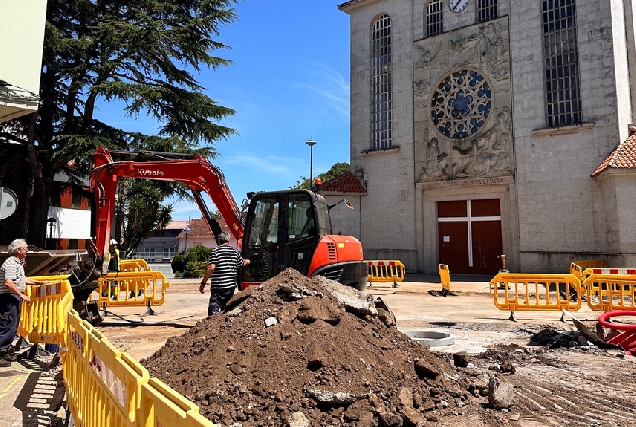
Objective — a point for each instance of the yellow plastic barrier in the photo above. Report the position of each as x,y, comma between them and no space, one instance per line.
385,271
43,320
536,292
106,387
578,267
133,265
162,406
135,288
444,277
102,387
609,292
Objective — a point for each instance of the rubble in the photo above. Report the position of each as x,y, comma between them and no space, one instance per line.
331,358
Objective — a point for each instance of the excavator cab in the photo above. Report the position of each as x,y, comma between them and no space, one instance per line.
283,230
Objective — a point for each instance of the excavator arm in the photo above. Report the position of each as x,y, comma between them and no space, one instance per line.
191,169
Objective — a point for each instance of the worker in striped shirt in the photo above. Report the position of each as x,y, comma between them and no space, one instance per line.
223,274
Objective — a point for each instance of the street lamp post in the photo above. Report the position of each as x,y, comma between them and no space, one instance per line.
311,144
186,230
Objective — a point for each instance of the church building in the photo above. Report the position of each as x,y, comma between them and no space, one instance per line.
482,128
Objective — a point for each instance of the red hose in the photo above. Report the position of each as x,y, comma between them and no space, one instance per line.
627,338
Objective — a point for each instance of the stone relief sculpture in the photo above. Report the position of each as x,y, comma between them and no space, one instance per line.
428,56
491,50
490,153
464,134
486,155
433,169
420,88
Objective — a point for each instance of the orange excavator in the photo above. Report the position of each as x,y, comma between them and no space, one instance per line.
281,229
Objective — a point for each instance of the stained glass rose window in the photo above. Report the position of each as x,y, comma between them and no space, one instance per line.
461,104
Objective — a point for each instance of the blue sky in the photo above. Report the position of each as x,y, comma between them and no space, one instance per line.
289,83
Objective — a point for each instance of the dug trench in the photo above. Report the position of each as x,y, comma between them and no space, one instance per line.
301,351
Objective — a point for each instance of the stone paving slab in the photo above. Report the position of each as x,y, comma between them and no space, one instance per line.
31,394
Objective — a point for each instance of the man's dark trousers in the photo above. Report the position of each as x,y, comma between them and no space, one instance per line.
218,298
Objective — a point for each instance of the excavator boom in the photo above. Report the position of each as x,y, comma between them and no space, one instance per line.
190,169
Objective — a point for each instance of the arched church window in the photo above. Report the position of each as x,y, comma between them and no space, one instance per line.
434,21
461,103
486,10
563,97
381,84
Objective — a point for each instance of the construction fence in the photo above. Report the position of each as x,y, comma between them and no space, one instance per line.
391,271
104,386
557,292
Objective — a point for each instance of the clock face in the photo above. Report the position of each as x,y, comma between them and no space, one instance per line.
458,5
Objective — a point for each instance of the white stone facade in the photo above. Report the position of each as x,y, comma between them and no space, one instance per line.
551,210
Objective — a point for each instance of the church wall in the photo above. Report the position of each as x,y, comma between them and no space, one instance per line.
389,204
552,211
557,209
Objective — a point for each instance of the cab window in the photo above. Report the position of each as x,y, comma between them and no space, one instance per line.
302,221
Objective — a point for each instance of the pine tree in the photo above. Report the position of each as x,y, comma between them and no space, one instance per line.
144,53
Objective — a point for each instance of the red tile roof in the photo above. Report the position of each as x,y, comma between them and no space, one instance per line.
623,157
176,225
345,183
199,227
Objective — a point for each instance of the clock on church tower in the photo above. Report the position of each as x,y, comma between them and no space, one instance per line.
458,5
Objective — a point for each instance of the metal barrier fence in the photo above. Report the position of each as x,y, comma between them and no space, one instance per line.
609,292
43,320
444,277
385,271
536,292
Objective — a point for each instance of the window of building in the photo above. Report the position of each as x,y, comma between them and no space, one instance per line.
563,99
434,22
381,84
486,10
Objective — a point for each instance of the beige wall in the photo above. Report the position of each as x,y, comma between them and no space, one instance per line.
21,37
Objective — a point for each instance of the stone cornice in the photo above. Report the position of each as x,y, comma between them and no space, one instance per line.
458,183
352,5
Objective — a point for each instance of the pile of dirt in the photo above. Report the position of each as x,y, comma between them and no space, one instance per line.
304,351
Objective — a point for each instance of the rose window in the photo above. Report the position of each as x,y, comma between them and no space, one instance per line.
461,104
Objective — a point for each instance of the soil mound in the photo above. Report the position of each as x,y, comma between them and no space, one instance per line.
300,351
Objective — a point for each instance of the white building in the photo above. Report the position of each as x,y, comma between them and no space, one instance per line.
21,38
478,124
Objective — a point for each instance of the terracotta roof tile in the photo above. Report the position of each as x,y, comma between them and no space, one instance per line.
199,227
176,225
345,183
623,157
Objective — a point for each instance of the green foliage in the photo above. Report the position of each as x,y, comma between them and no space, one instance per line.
198,257
177,263
199,253
144,54
336,170
139,212
195,269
